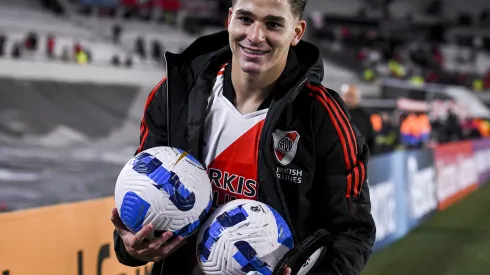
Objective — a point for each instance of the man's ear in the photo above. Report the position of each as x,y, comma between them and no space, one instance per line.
299,31
230,14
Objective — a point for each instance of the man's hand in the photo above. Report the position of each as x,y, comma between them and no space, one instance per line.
142,249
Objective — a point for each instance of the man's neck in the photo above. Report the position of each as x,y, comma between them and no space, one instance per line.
252,90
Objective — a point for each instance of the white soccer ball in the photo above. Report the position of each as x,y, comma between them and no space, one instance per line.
242,236
166,187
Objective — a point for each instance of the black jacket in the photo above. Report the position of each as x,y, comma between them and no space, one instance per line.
328,193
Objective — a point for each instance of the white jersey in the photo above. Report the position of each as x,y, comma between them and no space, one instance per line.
231,146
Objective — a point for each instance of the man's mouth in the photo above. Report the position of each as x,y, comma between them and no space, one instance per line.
253,51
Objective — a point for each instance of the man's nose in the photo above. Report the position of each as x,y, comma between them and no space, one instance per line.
256,33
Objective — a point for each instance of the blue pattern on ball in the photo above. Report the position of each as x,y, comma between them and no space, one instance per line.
165,180
133,211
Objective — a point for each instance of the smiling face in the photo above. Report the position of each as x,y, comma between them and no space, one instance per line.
261,33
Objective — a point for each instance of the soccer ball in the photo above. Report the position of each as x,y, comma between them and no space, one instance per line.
166,187
242,236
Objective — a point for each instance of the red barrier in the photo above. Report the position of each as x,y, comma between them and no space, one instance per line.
456,172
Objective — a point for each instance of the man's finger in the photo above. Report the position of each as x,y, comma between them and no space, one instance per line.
165,236
140,236
117,222
287,271
155,244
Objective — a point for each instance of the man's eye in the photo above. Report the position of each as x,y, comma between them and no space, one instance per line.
245,20
273,25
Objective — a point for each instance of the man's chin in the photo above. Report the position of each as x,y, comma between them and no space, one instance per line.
252,70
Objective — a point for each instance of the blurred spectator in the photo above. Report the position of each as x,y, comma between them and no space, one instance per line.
452,128
416,79
31,41
377,122
387,137
435,8
107,11
81,57
115,61
470,128
432,77
145,10
116,33
77,47
360,117
16,50
50,45
3,43
424,125
437,55
88,52
478,84
415,130
65,54
130,8
486,83
484,15
156,51
368,75
483,127
171,8
396,69
129,62
140,47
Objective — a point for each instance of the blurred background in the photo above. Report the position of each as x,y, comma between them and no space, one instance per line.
75,74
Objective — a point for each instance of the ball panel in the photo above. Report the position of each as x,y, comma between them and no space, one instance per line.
284,235
133,211
164,180
246,257
213,232
192,227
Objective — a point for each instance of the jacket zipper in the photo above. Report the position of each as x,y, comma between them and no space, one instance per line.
261,153
168,105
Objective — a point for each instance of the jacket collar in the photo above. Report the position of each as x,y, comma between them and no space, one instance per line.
207,53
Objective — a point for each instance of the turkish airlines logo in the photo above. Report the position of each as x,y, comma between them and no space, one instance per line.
285,145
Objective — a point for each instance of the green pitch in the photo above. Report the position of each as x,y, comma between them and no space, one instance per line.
455,241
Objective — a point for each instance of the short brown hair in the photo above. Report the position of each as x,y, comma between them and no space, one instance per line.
297,6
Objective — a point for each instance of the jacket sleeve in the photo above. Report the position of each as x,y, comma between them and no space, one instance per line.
339,196
153,132
153,129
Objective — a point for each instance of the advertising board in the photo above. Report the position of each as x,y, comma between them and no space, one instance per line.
73,238
388,205
481,152
456,172
420,185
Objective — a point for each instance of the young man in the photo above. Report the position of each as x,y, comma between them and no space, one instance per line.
248,103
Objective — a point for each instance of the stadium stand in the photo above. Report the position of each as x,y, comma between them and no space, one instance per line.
407,39
67,37
51,131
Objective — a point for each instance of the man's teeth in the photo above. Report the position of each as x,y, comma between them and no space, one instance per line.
253,52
